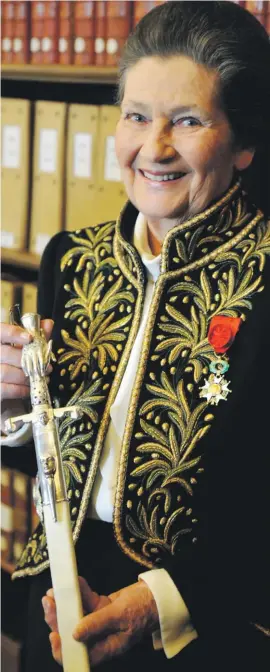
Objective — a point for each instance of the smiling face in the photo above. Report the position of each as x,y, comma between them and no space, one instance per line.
173,141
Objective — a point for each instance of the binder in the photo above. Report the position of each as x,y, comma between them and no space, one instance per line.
65,42
37,28
142,7
21,514
7,11
6,514
11,295
84,32
100,33
21,39
15,124
49,42
82,146
111,194
118,26
267,19
29,298
48,173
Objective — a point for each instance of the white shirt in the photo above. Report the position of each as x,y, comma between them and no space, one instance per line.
176,629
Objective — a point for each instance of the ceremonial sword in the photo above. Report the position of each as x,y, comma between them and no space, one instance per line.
55,507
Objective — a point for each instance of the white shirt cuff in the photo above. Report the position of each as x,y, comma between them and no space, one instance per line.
176,629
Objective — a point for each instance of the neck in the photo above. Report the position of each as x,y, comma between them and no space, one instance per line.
157,231
154,243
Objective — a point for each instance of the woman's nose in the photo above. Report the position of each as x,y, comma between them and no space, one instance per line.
158,145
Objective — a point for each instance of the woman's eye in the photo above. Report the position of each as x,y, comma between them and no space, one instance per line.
134,116
188,121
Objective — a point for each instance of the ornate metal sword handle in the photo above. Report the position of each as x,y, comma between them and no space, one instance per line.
35,360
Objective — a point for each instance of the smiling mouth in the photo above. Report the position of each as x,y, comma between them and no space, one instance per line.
166,177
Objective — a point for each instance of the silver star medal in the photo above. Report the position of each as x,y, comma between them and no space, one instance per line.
216,387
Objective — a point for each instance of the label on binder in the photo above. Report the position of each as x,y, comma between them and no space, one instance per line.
47,150
7,239
41,241
11,147
82,157
111,168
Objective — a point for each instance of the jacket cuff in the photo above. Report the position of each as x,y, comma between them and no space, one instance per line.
176,629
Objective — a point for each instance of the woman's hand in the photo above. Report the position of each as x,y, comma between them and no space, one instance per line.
115,623
14,384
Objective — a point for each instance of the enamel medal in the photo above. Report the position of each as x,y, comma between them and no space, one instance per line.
216,387
221,334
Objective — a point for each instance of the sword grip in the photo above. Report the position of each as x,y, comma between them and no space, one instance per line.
66,587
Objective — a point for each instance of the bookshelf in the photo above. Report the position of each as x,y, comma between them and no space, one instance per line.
60,73
20,259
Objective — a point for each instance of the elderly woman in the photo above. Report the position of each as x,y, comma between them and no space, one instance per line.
161,330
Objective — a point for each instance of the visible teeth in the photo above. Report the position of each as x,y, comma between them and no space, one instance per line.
162,178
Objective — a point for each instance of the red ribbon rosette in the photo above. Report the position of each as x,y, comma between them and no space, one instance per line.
222,332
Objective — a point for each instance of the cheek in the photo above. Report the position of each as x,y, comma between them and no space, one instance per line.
208,155
125,147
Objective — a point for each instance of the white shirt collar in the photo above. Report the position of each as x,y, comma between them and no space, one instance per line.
140,241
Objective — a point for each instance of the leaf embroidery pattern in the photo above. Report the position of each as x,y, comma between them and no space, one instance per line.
173,419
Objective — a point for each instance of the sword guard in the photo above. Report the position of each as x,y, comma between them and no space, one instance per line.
74,411
11,425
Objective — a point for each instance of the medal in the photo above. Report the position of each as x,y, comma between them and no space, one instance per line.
221,334
216,387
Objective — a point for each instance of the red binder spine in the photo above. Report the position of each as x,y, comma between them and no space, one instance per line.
100,33
84,32
37,31
258,9
7,10
118,26
49,42
21,32
142,7
267,18
65,42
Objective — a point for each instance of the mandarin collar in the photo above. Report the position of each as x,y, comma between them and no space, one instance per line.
189,241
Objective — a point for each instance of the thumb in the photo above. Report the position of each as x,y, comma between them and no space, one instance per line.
47,326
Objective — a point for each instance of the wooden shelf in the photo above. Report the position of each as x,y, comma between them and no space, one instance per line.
8,567
20,258
60,73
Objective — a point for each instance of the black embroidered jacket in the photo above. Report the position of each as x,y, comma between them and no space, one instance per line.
191,491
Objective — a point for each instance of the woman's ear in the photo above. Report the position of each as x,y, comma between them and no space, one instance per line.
243,158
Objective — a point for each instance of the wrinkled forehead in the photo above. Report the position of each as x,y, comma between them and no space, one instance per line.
170,81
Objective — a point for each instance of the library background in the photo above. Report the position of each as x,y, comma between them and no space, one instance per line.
59,70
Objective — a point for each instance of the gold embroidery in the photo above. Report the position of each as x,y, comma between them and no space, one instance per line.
161,464
156,505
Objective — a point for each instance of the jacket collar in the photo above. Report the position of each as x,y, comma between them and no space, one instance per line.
189,241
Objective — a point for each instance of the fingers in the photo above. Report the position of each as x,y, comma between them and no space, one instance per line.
97,625
14,391
13,375
89,598
47,326
10,333
56,647
49,607
109,648
10,355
